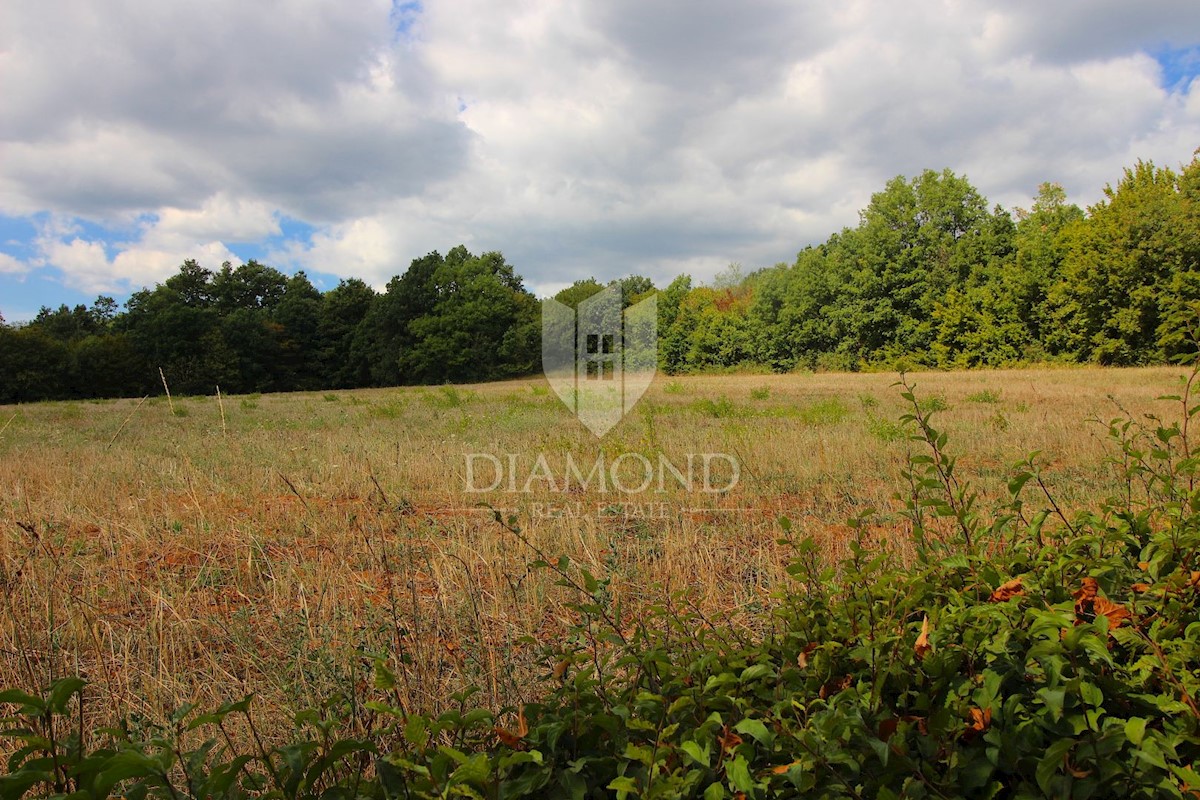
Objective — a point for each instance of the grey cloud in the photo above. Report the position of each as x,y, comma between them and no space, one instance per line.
196,86
1078,30
602,137
711,48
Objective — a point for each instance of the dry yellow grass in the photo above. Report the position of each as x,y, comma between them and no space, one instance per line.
275,548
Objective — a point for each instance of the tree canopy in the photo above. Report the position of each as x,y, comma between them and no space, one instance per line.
931,275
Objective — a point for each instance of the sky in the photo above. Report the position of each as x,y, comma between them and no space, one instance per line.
579,137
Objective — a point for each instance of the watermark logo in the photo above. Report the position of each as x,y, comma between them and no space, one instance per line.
601,358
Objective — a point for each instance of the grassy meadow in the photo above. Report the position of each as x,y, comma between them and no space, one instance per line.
272,544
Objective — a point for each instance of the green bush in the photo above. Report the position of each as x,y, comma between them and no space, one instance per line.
1007,653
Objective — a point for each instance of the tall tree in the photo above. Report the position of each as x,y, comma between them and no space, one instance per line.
1118,268
343,310
483,325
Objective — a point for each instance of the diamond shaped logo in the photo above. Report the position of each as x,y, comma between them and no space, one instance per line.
600,359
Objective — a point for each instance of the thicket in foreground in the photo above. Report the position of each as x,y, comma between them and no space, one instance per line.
1013,652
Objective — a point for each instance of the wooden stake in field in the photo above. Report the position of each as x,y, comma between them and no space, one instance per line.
170,402
221,403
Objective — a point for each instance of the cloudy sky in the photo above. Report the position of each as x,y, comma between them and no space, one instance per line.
579,137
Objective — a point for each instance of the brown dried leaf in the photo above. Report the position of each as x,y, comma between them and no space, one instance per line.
728,740
780,769
923,646
1085,595
887,728
834,686
802,659
981,719
1007,591
1140,587
1117,614
514,739
508,738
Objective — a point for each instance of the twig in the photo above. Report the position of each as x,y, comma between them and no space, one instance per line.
170,402
553,565
10,422
221,403
126,422
295,491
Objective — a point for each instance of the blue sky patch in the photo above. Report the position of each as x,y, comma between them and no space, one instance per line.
22,295
1179,66
403,17
291,231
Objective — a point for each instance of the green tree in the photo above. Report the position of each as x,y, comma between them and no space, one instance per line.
109,365
1119,266
343,310
175,327
250,286
297,313
66,324
578,291
33,365
910,235
383,337
482,326
1040,250
634,289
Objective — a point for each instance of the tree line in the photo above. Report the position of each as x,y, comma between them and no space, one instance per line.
251,328
930,276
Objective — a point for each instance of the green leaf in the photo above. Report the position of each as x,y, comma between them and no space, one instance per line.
755,672
416,731
31,705
756,730
16,785
739,776
589,581
623,786
1091,694
62,691
385,679
123,766
475,769
695,752
1135,730
1150,753
957,561
1018,483
1054,700
1049,764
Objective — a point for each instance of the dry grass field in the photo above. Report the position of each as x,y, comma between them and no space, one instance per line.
273,544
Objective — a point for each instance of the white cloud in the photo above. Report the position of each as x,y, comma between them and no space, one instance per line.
89,268
12,266
238,220
591,138
155,250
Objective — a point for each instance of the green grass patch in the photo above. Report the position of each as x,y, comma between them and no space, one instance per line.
984,396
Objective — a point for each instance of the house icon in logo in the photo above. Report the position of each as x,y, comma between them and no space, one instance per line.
601,358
